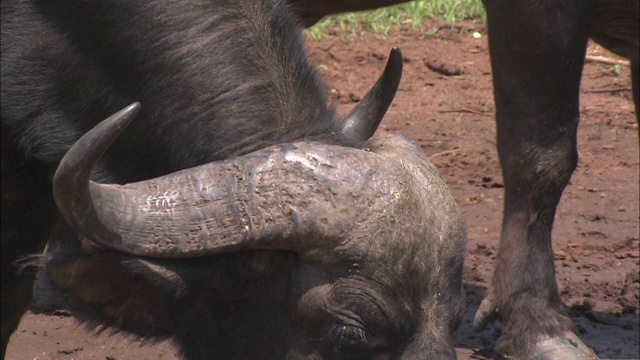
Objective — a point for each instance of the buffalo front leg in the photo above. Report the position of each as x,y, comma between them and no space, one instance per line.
537,54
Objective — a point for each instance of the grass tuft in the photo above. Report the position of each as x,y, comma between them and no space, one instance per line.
381,21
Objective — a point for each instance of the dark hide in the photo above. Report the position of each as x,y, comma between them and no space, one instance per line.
66,65
537,54
218,79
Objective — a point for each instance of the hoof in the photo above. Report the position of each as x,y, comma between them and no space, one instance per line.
485,314
568,346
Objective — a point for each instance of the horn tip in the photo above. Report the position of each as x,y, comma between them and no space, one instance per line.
119,121
395,57
130,111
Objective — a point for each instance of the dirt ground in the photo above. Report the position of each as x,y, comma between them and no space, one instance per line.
451,117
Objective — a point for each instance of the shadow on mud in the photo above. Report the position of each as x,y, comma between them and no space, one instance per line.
611,335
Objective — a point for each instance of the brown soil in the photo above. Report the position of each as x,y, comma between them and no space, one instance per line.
451,117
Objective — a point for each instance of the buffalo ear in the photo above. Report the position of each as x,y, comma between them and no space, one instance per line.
119,289
363,120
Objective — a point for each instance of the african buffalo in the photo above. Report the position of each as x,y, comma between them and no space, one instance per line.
537,53
249,222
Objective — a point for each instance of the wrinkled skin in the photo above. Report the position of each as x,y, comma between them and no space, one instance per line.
537,54
297,274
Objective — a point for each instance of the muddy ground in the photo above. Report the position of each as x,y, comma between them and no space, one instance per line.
451,117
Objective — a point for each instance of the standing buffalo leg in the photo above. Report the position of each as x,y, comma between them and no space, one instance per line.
537,54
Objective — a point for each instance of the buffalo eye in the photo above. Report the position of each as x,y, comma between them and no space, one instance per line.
348,341
348,334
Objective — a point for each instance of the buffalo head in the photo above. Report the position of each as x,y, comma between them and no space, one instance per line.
308,249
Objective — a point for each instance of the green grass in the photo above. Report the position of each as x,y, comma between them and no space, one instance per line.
381,21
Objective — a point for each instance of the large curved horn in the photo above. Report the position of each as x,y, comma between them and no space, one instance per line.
78,164
282,197
363,120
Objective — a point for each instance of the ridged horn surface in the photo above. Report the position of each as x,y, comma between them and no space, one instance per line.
303,196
